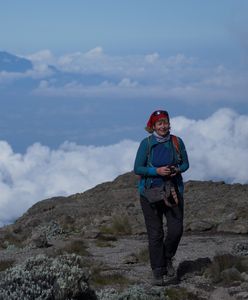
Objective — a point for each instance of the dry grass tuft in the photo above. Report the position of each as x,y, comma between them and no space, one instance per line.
120,226
77,247
143,255
5,264
98,278
224,262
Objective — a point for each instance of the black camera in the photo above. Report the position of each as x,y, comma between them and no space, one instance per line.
173,169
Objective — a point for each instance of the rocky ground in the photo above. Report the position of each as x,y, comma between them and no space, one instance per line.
105,227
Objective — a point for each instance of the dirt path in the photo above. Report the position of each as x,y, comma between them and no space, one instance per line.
122,255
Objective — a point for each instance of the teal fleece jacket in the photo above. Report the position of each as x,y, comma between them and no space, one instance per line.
148,172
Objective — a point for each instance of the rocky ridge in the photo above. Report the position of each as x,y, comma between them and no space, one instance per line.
105,227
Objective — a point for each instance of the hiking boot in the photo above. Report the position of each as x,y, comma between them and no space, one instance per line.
158,280
170,269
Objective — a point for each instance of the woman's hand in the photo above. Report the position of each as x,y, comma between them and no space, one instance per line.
164,171
168,171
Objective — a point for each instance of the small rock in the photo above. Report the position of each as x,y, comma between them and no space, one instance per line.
39,240
234,290
244,285
106,219
192,266
231,217
97,222
230,226
220,294
230,275
242,295
200,226
90,233
130,259
244,276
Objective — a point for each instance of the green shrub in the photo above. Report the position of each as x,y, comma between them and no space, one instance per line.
120,226
51,229
42,277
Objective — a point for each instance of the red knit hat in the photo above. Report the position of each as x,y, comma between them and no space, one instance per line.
154,117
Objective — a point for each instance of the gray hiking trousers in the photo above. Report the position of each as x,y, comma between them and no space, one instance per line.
162,248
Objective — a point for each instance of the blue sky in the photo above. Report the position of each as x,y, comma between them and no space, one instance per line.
123,26
189,57
80,79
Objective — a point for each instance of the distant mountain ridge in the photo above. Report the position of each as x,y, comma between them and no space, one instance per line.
13,63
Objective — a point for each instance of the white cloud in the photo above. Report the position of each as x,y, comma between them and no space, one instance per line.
217,146
151,58
125,87
6,77
127,82
41,172
43,56
41,61
39,71
94,53
128,88
151,76
217,149
121,66
179,59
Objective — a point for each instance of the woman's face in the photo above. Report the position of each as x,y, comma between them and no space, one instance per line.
162,127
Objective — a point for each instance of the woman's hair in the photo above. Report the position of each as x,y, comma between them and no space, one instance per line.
149,129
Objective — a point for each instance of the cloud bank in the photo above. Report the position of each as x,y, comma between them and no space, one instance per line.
96,74
41,172
217,149
144,76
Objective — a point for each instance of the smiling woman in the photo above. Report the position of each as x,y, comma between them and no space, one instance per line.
159,162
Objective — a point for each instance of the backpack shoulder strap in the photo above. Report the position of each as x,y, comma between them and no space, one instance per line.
148,149
175,142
